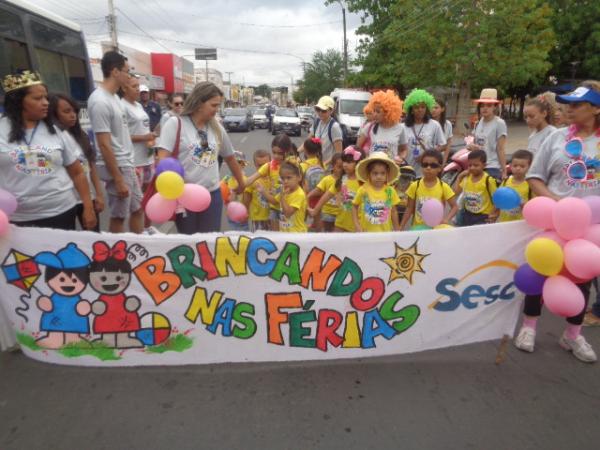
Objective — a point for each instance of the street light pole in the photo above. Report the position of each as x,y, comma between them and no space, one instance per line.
345,44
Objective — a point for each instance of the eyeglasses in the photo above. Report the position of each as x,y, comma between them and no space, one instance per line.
178,104
319,110
430,165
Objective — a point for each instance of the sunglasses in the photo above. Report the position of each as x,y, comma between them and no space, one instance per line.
178,103
319,110
430,165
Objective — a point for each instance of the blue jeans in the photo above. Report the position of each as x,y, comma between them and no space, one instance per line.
596,305
206,221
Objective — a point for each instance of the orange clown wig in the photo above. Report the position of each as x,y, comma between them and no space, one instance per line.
390,103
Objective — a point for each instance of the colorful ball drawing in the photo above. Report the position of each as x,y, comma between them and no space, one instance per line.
154,329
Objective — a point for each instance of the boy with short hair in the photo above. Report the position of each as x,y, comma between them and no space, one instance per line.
519,165
477,188
258,206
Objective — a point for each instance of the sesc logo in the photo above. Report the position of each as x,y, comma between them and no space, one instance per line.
454,292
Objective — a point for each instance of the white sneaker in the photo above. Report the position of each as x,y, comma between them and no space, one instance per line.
151,230
580,348
525,340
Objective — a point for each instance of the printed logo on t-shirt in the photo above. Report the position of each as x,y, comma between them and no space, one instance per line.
347,197
285,223
376,212
383,146
473,202
35,160
480,140
583,172
203,156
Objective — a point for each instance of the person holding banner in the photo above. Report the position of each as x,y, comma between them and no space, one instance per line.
552,175
201,140
37,164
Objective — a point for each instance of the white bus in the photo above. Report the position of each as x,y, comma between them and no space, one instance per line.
32,38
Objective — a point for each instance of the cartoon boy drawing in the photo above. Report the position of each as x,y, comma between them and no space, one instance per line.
64,316
116,314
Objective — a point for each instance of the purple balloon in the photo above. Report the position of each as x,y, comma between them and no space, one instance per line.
8,202
169,164
593,202
528,280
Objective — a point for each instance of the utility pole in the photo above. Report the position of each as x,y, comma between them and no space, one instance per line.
206,61
112,25
229,75
345,49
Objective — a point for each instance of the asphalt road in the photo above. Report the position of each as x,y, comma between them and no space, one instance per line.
456,398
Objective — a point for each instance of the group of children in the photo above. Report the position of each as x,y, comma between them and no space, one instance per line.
360,193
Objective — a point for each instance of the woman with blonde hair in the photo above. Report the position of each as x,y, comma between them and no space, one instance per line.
198,139
387,134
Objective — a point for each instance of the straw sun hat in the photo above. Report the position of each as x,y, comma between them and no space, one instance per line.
361,168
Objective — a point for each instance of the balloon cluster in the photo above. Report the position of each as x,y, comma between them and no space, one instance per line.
8,205
567,253
173,191
432,212
236,211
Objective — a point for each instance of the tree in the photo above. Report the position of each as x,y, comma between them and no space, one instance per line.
466,43
263,90
577,50
322,75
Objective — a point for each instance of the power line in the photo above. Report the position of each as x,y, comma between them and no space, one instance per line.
142,30
248,24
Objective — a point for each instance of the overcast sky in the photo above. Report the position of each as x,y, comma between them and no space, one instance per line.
281,26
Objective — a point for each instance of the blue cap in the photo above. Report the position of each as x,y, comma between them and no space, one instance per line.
581,94
69,257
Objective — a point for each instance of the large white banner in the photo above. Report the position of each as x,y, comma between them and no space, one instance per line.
92,299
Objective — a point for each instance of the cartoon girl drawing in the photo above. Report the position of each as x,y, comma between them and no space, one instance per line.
116,314
64,313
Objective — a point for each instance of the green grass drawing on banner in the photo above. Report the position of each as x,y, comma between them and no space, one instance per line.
74,350
177,343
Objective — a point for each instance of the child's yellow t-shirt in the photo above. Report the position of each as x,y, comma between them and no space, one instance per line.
232,185
331,207
377,207
305,165
478,196
345,195
420,193
272,171
259,206
523,191
296,223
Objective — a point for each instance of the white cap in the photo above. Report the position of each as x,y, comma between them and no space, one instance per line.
144,88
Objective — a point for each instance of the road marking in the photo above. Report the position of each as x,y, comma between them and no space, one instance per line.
243,139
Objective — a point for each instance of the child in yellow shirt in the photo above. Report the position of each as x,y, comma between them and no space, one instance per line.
330,209
374,207
519,165
477,187
292,199
257,204
228,185
428,187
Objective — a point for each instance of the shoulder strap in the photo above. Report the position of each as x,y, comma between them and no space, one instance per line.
316,125
175,153
329,129
487,185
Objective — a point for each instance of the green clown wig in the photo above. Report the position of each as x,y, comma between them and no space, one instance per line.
417,96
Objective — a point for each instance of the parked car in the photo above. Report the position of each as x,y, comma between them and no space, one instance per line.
238,119
349,105
260,118
307,116
286,120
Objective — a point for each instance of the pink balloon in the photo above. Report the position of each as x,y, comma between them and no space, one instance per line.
195,198
4,224
571,218
593,234
551,235
593,202
237,212
582,258
8,202
432,212
562,296
537,212
160,209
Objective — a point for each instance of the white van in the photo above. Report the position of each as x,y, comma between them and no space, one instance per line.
348,111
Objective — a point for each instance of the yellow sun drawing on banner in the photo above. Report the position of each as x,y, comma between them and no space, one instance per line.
405,263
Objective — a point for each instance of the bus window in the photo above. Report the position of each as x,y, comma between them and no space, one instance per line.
52,71
77,78
65,41
16,59
11,26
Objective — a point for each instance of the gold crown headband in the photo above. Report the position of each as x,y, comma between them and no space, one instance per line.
22,80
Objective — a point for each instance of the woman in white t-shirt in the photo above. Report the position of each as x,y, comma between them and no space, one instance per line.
387,133
37,165
201,140
490,134
439,113
539,113
64,112
142,138
423,133
175,103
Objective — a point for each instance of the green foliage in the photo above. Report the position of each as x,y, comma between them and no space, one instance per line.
177,343
96,349
322,74
263,90
577,28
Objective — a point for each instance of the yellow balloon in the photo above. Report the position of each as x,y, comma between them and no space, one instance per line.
442,226
545,256
170,185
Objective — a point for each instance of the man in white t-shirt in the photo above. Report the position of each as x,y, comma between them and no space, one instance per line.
115,159
327,129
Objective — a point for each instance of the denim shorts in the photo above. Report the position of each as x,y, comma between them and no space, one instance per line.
120,208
